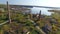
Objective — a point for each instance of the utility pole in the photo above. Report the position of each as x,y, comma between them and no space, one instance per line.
40,14
8,9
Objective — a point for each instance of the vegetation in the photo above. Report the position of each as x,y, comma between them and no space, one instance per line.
22,23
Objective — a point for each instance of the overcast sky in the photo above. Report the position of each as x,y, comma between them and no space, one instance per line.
53,3
50,3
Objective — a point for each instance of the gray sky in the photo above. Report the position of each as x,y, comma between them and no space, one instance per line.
53,3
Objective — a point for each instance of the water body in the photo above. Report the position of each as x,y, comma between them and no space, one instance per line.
36,10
